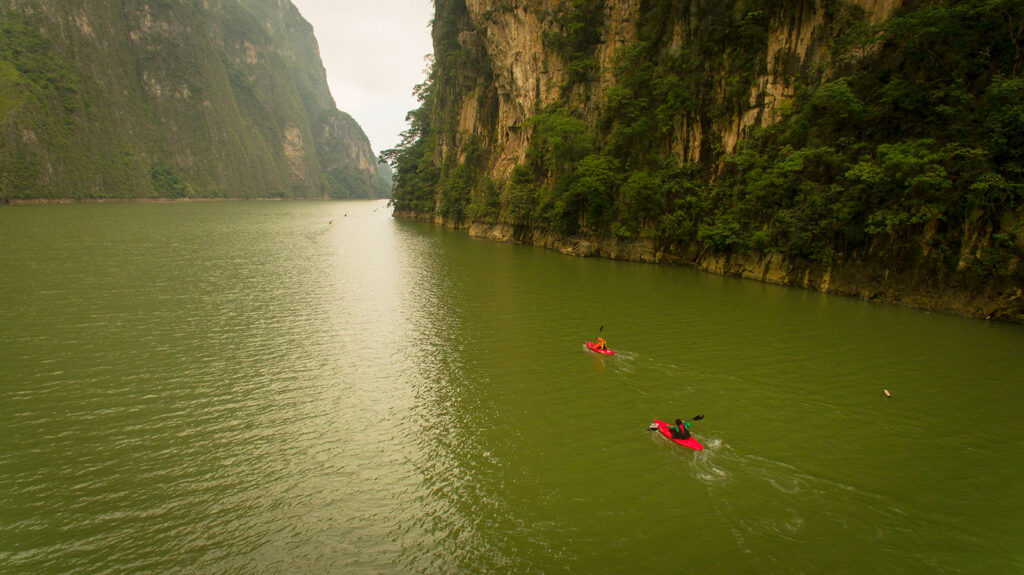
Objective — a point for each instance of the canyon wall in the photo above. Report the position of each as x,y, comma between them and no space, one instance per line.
211,98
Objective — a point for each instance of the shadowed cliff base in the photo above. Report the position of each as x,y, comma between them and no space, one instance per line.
917,286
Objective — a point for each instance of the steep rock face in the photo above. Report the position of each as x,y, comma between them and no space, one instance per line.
512,76
525,76
154,99
508,41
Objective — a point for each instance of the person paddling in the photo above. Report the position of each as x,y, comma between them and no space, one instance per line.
681,430
601,344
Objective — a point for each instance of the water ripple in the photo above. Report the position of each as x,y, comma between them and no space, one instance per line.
239,388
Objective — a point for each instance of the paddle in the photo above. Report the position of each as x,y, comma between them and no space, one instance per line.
698,417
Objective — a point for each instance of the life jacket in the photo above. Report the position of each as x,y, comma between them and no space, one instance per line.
680,432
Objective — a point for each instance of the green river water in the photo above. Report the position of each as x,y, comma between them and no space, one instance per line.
246,387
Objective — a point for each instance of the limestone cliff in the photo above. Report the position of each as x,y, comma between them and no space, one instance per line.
507,40
864,147
142,98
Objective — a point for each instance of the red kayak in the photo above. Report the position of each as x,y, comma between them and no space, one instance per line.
691,442
593,347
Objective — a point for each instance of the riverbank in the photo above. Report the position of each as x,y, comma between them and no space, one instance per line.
45,201
915,284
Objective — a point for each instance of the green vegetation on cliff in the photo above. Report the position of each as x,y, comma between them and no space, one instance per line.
903,144
413,159
149,98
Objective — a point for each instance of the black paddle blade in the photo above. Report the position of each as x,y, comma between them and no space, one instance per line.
699,417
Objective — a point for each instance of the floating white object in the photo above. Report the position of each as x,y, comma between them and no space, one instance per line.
886,392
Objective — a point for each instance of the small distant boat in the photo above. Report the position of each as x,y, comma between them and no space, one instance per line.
593,347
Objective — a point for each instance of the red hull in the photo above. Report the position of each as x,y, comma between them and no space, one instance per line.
593,347
691,443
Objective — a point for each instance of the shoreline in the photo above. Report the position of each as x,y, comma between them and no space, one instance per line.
914,286
48,201
45,201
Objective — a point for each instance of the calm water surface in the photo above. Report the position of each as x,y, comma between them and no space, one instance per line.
246,387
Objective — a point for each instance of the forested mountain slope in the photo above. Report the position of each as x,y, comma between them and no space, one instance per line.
153,98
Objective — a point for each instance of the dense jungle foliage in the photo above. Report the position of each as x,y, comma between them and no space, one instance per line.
906,136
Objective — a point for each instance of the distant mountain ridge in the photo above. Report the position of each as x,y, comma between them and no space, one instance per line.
158,99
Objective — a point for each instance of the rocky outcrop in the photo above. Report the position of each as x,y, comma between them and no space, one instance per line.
528,76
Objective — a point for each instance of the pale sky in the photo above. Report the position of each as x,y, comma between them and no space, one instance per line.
374,53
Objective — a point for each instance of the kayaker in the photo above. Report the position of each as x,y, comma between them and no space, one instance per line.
601,343
681,430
